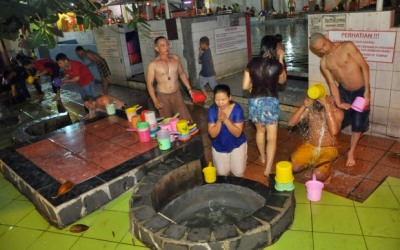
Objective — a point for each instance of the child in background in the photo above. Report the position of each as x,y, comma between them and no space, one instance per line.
207,72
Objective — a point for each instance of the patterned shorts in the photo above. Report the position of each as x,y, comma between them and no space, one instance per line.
264,110
103,68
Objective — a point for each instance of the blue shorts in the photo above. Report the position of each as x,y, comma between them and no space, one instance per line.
264,110
359,121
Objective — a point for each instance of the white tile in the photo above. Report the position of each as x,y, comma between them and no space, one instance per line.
372,65
355,21
394,117
380,115
371,21
313,59
396,80
396,59
385,20
393,131
383,79
372,78
314,73
372,101
378,128
384,66
382,97
395,99
397,49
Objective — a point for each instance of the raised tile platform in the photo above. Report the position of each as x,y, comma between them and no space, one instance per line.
101,158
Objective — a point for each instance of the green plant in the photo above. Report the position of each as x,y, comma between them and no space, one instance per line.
39,17
137,22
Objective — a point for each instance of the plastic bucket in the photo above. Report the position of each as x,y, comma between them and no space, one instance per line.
164,143
173,123
284,173
57,82
130,112
182,127
143,131
167,127
150,117
210,174
359,104
314,189
317,91
110,108
284,187
198,97
134,120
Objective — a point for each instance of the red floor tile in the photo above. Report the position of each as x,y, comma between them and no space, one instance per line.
380,172
368,154
116,158
391,159
125,139
364,190
255,172
41,149
84,140
361,169
396,147
109,132
342,184
142,147
376,142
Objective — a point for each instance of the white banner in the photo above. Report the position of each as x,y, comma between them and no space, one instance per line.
230,39
376,46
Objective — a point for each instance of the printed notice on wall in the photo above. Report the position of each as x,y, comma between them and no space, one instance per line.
230,39
376,46
323,23
107,46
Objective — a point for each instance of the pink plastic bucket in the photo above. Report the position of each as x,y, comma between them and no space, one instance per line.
359,104
173,122
167,127
314,189
143,131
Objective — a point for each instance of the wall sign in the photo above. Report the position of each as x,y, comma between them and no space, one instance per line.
376,46
230,39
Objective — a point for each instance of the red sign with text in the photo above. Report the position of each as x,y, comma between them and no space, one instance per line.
376,46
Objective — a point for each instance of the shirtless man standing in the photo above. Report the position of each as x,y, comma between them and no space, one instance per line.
166,69
324,120
347,74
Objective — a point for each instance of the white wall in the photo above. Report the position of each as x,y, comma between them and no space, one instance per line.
384,77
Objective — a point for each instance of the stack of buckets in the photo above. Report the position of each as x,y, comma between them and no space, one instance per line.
284,176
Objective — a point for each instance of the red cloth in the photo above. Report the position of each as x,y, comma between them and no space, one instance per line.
79,69
39,65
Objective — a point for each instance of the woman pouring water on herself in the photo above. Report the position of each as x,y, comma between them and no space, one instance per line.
225,126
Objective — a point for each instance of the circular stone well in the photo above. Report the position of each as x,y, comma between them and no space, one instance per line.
173,208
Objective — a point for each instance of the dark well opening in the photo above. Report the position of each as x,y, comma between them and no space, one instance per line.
48,125
213,205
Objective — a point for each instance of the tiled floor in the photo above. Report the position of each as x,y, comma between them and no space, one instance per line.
332,223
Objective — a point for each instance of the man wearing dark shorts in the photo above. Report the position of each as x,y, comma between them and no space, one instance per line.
359,121
343,63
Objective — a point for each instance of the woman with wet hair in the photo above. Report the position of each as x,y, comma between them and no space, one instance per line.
261,77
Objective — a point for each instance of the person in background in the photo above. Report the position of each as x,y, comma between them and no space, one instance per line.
347,74
225,126
353,5
320,150
280,48
207,72
262,76
100,62
166,69
47,66
99,104
78,72
31,77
